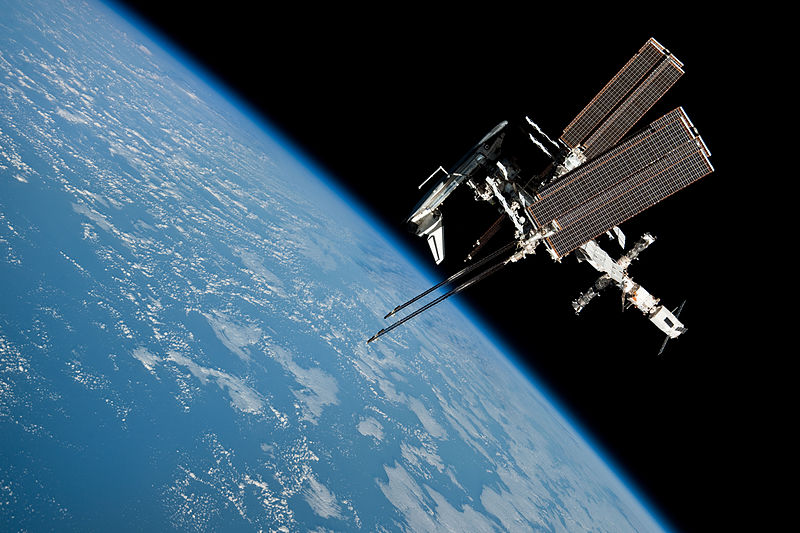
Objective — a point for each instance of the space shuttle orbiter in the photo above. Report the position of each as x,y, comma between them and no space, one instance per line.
426,220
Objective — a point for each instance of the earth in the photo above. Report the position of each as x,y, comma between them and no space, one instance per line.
184,305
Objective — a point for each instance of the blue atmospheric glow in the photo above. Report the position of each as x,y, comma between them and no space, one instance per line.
390,235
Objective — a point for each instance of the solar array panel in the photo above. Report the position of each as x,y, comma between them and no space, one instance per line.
624,100
653,164
593,177
632,109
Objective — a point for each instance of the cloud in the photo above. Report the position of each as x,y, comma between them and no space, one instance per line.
253,263
235,337
431,511
322,501
242,397
146,358
369,427
71,117
427,420
319,387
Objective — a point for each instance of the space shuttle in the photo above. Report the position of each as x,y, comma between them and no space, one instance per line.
426,220
596,176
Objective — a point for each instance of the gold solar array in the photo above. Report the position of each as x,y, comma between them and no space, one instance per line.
644,79
659,160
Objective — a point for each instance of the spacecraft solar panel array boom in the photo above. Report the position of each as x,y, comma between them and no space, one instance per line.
619,181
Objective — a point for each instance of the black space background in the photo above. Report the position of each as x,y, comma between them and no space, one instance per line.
381,95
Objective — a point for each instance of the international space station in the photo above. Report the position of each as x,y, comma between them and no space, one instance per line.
597,178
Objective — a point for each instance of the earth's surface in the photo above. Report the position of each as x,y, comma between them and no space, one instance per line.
184,304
